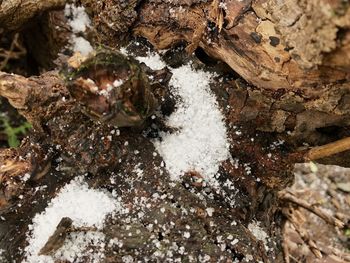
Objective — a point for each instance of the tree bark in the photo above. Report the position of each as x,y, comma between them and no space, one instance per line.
286,67
50,107
284,56
15,13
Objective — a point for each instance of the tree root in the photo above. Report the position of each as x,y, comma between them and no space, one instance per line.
286,254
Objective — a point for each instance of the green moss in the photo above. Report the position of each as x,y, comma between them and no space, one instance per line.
13,133
347,232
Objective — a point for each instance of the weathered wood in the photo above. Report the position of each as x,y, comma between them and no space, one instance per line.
65,132
271,44
292,55
33,97
15,13
289,80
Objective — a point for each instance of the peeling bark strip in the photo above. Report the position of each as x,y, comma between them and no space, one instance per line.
271,44
34,97
315,119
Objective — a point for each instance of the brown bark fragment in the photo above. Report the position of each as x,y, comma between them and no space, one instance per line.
33,97
15,13
259,47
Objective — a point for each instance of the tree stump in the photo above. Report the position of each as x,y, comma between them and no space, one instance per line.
280,78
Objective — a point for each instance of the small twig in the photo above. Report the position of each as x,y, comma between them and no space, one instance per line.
341,256
304,235
57,239
287,196
293,258
344,256
328,149
307,239
11,54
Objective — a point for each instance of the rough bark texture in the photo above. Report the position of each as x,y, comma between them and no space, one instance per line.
268,49
67,141
15,13
282,49
285,66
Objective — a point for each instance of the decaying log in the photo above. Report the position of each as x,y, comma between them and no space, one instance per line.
209,229
271,44
74,138
297,66
286,84
292,55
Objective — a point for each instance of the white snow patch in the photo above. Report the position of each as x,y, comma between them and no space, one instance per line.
85,206
128,259
258,232
79,21
75,243
234,242
201,142
81,45
2,257
153,60
210,211
117,83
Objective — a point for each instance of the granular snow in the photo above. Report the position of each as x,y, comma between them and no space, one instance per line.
85,206
79,21
200,144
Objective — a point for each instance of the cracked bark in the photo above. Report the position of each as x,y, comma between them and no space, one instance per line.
288,66
68,132
294,57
